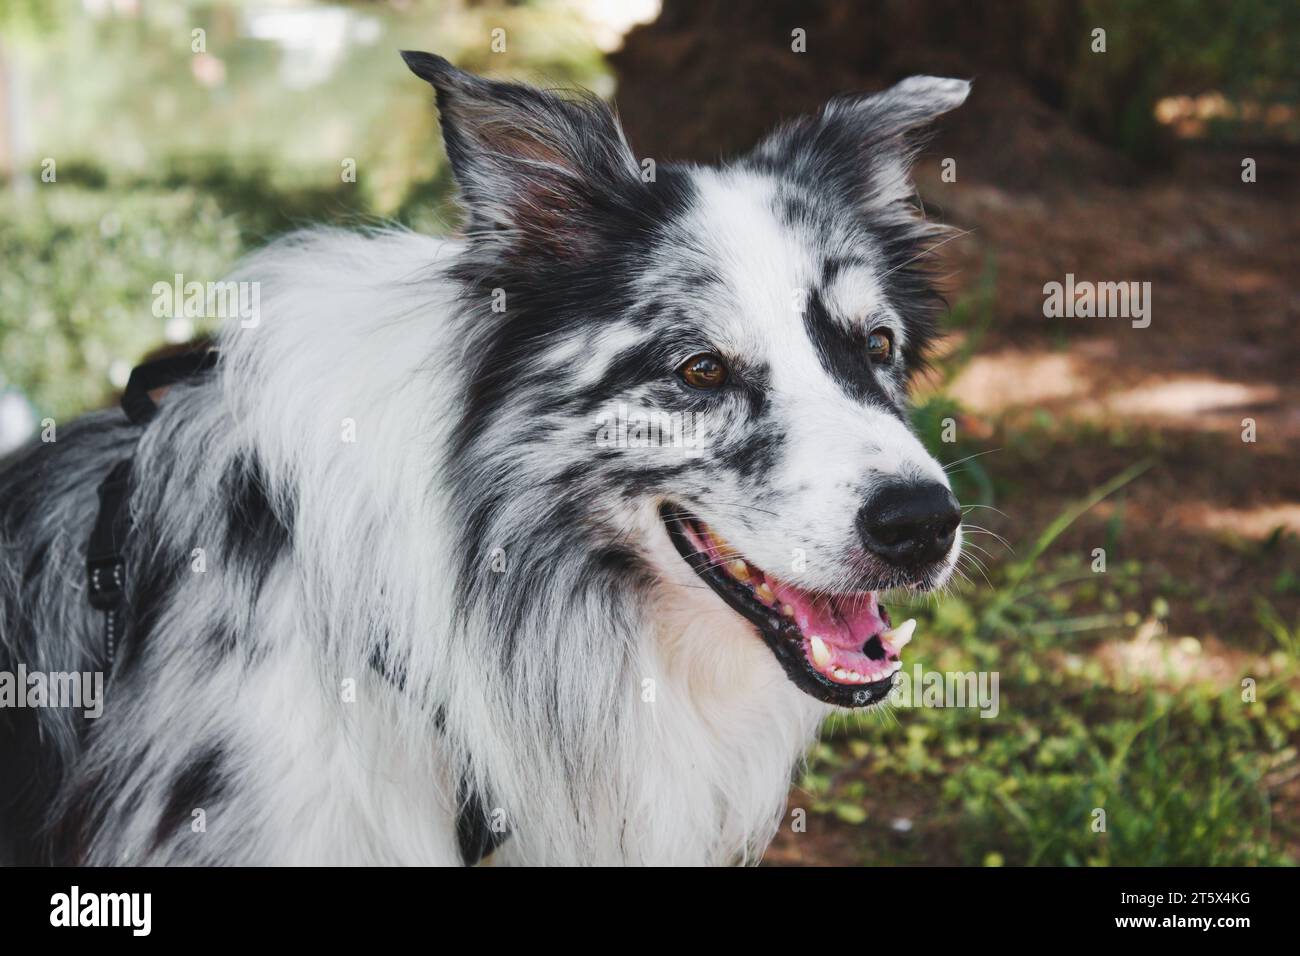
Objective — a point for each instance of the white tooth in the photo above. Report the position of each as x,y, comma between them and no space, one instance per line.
841,673
820,652
787,610
765,594
855,677
901,636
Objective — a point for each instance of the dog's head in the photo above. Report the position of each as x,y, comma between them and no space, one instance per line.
729,347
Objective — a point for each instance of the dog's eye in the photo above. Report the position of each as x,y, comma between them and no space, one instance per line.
880,346
705,370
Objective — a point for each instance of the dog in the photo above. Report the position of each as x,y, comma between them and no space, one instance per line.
402,585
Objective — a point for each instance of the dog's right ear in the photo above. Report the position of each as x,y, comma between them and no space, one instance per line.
536,169
864,145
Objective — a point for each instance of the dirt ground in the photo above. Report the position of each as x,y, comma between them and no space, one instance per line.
1214,511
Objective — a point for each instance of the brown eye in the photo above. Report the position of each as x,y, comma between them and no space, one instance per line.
703,371
880,346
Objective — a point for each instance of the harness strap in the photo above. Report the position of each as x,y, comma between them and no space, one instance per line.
106,550
106,568
105,564
162,373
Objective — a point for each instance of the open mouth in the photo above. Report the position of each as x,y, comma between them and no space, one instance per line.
840,648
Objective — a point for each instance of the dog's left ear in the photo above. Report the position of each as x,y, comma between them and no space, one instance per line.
537,170
865,144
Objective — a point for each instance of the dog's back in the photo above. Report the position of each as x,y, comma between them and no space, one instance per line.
222,651
48,502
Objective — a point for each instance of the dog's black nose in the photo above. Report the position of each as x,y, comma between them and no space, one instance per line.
910,524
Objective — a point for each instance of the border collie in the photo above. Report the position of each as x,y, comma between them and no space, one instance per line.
393,579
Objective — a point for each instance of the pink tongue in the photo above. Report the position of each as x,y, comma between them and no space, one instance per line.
842,620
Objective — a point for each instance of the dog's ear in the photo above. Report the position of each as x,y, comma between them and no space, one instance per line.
536,169
865,144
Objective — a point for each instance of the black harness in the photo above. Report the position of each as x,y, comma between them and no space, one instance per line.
106,570
106,552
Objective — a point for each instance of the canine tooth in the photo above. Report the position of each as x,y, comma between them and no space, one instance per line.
901,636
765,593
738,569
821,654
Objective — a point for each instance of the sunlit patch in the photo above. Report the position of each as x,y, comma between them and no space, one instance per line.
1258,522
1190,116
1190,396
991,383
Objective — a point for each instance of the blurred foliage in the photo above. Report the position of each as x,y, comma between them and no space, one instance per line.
1247,50
86,265
169,161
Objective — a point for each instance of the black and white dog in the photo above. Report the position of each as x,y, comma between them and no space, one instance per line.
560,539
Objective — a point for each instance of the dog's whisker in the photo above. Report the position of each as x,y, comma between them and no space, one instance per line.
929,251
962,461
976,529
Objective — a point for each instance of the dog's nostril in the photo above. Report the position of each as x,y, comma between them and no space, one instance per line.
910,523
